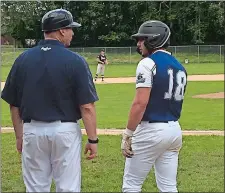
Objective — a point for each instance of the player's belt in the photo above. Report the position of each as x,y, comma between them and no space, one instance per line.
63,121
155,121
158,121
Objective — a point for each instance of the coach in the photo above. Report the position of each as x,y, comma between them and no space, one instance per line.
50,88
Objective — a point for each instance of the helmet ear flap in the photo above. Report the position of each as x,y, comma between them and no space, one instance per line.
148,45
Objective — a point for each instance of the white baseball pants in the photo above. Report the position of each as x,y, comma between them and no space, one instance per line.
155,144
51,150
100,69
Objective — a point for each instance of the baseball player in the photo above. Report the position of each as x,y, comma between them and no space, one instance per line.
102,61
153,135
50,88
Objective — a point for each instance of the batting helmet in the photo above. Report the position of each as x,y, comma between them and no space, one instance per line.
58,19
156,34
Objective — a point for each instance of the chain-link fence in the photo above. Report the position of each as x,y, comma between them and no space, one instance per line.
127,55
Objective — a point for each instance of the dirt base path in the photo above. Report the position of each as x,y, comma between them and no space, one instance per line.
215,77
119,132
218,95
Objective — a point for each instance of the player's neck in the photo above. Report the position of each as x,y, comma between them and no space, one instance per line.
157,50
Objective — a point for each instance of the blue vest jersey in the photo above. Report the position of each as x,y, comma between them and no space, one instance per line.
168,80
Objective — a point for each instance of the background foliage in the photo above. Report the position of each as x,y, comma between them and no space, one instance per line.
111,23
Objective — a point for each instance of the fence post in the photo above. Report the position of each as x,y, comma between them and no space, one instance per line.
220,54
14,43
198,54
175,50
130,55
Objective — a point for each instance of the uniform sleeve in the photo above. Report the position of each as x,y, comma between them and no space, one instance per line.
146,69
9,92
83,84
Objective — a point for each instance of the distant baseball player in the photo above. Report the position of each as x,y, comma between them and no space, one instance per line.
50,88
153,135
102,61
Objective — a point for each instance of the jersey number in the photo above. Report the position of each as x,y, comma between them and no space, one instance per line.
181,81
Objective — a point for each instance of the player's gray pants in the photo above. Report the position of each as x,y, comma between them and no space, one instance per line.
100,69
155,144
51,150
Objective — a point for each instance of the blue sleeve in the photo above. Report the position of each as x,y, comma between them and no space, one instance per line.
83,83
10,90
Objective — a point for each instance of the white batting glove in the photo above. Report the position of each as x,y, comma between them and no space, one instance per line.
126,143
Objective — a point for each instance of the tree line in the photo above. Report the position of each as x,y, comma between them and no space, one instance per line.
111,23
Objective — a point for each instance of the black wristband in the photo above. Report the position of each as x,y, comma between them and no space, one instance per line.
93,141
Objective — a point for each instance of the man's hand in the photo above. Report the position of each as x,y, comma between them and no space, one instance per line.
92,148
126,143
19,145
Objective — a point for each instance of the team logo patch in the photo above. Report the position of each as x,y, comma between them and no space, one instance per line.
140,78
45,48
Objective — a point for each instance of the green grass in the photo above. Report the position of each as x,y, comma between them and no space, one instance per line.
201,166
203,113
115,101
206,68
198,114
124,65
128,70
112,70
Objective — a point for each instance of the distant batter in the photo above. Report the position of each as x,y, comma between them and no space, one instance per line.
102,61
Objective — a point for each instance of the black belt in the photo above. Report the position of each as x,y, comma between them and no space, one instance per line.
63,121
156,121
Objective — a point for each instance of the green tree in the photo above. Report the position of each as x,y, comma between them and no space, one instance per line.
111,23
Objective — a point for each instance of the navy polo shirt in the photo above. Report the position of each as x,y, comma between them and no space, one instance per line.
49,83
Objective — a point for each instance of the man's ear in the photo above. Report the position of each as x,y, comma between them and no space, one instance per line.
62,32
